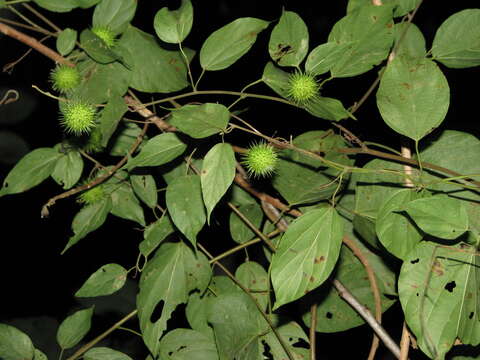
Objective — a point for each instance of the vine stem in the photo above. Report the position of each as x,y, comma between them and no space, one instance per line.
102,336
313,327
259,307
35,44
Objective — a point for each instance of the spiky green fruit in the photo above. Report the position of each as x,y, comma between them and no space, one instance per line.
93,143
302,87
92,196
65,78
260,160
106,34
78,117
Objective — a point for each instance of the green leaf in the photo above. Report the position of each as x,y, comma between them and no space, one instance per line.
327,108
124,137
413,96
69,167
237,325
114,14
196,313
288,44
412,42
183,344
307,254
96,48
103,353
15,344
293,335
199,121
145,188
66,41
125,204
164,280
333,313
153,68
254,277
88,219
155,233
101,82
396,231
373,187
110,116
174,26
159,150
456,43
185,205
302,179
324,57
74,328
438,288
39,355
229,43
440,215
30,171
237,196
57,5
368,33
218,171
276,79
105,281
238,229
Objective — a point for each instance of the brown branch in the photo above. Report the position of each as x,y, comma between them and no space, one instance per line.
35,44
45,213
404,343
313,330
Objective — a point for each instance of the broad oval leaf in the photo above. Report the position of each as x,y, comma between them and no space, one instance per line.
153,69
96,48
456,43
438,288
110,116
396,231
185,344
440,215
155,233
413,96
368,33
30,171
174,26
114,14
410,40
74,328
185,205
218,171
324,57
88,219
15,344
293,335
69,167
145,188
240,231
307,254
166,279
333,313
229,43
125,204
105,281
157,151
253,276
288,44
60,6
66,41
199,121
104,353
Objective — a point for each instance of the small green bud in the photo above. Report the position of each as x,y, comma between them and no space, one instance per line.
65,78
92,196
260,160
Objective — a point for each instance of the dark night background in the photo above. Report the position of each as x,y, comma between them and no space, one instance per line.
37,282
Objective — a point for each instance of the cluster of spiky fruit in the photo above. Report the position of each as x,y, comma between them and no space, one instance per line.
65,78
78,117
106,34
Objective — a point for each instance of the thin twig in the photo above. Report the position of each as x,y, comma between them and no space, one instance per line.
41,17
313,328
368,317
259,307
35,44
404,343
102,336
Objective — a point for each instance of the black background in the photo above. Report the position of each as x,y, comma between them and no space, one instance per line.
37,281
